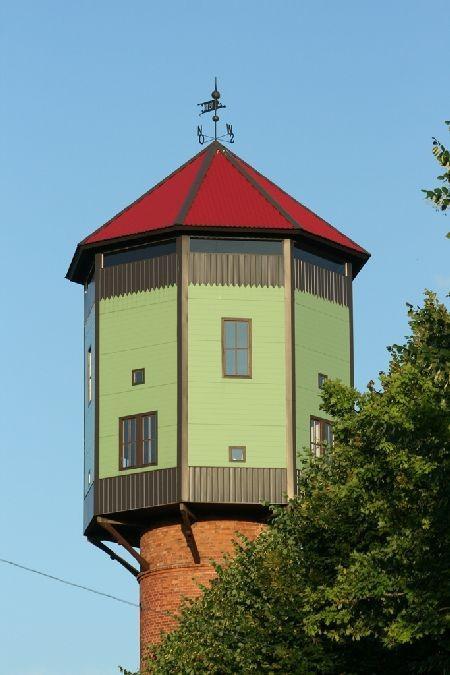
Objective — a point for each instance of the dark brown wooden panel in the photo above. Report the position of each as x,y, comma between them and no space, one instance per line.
141,275
322,282
236,269
237,485
136,491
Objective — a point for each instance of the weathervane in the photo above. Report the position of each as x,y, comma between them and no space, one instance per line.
213,106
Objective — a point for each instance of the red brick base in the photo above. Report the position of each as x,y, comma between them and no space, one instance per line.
173,572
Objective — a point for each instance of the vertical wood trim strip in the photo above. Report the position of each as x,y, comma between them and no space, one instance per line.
182,338
289,362
349,283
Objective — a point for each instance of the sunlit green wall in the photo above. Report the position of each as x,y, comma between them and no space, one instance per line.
223,411
322,345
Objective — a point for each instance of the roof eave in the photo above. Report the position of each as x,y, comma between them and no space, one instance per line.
81,263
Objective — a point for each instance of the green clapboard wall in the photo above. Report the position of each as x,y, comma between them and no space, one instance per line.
322,345
227,411
138,330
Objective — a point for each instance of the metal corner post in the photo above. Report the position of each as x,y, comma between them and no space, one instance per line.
182,369
349,279
97,272
290,365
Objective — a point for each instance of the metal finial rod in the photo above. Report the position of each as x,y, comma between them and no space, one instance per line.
212,106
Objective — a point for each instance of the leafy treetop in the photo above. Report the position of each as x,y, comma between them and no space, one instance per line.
353,575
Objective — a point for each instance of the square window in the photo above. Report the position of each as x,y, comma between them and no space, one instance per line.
321,380
138,376
237,453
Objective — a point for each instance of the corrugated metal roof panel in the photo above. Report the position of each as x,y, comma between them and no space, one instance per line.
226,198
306,219
156,209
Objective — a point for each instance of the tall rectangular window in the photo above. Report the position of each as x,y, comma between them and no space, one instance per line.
89,375
237,347
321,436
138,440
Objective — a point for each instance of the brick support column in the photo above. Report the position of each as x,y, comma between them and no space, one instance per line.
173,572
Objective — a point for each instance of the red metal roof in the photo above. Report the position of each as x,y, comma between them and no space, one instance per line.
156,209
217,189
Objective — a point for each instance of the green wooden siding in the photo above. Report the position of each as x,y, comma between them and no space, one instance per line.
138,330
222,411
322,345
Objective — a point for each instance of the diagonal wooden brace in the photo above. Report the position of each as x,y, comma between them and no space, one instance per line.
114,556
109,527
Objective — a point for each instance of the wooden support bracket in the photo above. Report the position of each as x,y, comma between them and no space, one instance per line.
114,556
109,527
187,518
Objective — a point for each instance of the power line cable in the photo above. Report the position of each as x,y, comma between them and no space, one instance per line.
68,583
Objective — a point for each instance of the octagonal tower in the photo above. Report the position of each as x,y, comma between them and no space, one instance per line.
215,305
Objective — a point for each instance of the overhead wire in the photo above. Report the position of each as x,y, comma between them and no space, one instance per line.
68,583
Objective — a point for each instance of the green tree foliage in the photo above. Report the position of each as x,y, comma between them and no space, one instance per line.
353,576
440,196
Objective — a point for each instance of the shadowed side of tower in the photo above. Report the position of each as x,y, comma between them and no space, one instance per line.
215,306
176,572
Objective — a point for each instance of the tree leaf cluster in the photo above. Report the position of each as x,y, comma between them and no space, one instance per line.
440,196
353,576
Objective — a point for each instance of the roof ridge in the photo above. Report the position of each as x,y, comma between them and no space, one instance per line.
145,194
273,202
196,184
298,202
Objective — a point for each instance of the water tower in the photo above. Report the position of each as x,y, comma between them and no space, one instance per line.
215,306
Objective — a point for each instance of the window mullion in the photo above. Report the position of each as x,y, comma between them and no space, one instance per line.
139,449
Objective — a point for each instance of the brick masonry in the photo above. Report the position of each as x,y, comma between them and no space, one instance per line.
173,573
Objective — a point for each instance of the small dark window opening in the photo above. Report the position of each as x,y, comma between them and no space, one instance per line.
138,376
321,379
321,436
259,247
89,375
319,261
138,440
139,253
237,453
236,347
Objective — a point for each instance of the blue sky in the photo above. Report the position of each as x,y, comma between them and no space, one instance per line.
336,102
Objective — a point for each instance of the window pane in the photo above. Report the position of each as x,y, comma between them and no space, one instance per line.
328,433
235,246
129,455
237,454
242,334
146,427
129,430
132,423
322,379
242,361
149,439
230,367
138,376
315,437
142,253
230,333
149,454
